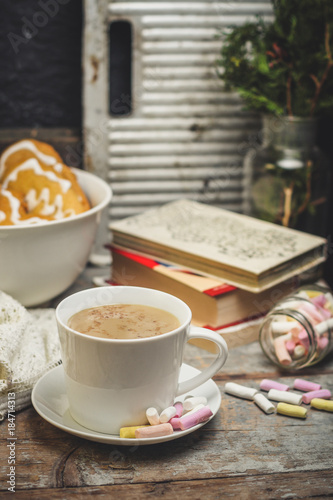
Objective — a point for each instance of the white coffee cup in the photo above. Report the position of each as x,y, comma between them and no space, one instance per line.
111,382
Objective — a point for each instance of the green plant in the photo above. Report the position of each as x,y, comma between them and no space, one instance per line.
283,67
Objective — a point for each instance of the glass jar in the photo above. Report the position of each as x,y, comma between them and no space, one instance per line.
297,332
287,179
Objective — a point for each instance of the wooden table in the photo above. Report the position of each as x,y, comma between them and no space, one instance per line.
241,453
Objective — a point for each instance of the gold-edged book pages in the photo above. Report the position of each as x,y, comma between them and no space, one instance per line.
244,251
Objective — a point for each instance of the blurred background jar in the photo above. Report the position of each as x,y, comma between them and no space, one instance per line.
298,331
287,179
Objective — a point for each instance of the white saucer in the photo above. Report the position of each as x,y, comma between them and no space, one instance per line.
50,401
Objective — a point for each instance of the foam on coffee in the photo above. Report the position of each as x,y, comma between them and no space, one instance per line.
123,321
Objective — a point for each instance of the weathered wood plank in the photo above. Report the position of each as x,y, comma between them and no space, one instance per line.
239,440
297,486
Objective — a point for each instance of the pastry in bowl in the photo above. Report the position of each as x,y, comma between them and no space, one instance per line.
49,218
48,188
39,261
12,207
20,151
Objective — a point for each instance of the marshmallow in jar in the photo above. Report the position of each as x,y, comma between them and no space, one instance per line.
298,331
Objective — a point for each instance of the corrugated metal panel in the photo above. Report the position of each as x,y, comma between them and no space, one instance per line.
184,135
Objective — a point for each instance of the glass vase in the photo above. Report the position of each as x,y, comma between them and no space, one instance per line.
287,178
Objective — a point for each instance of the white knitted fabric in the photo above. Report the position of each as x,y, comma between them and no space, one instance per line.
29,347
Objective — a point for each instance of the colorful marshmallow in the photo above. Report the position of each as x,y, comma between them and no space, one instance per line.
152,431
305,385
266,385
291,410
197,417
179,408
129,432
281,351
175,422
322,404
289,403
321,394
172,417
303,331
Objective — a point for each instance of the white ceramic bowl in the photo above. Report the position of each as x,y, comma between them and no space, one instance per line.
40,261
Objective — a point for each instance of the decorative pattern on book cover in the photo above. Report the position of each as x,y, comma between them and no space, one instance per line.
239,249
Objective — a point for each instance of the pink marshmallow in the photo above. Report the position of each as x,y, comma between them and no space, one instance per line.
179,408
290,346
195,418
310,310
266,385
322,394
303,338
153,431
324,312
319,300
175,422
305,385
281,352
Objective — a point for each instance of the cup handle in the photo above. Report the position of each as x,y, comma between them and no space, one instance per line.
203,333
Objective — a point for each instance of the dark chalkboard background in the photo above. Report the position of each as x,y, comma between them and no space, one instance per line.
41,80
40,63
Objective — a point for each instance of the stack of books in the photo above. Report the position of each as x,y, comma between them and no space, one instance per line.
229,268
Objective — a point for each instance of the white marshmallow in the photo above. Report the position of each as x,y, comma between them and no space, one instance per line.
263,403
324,326
285,396
283,326
194,401
240,390
196,408
152,416
299,351
167,414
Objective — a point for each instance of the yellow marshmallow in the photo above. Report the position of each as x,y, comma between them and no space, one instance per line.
291,410
322,404
129,432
